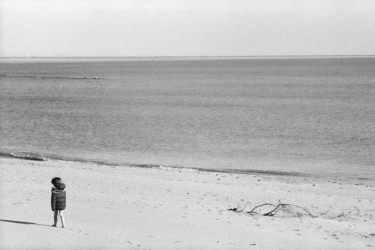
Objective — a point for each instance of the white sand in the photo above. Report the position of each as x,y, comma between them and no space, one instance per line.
133,208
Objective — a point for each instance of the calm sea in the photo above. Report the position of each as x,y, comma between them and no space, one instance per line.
302,116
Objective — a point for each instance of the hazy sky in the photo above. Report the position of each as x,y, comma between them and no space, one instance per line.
186,27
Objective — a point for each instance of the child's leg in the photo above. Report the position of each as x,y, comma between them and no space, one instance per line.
55,217
61,213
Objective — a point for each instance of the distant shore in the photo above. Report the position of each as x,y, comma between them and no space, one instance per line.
172,58
113,207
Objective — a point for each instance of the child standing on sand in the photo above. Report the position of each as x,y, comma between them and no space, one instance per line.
58,200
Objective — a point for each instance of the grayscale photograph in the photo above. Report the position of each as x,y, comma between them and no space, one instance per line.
187,124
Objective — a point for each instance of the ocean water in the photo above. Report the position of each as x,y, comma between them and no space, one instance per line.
298,116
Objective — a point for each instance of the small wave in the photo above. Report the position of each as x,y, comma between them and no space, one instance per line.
52,77
267,172
250,172
23,156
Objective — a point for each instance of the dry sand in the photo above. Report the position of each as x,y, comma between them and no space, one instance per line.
134,208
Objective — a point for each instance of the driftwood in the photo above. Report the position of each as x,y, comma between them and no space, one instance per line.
281,209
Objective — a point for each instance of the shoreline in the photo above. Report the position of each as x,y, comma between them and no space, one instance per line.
30,156
116,207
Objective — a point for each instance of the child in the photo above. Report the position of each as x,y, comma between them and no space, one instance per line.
58,200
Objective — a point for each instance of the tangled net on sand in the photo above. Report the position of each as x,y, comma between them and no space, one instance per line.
280,210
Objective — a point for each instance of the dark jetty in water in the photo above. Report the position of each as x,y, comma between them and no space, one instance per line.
51,77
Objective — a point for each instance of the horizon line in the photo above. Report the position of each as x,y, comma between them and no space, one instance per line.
370,55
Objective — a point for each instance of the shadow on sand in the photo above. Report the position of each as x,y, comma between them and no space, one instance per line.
24,222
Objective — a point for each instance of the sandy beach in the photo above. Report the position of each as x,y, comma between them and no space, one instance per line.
135,208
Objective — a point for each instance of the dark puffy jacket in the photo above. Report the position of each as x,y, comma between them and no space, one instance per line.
58,199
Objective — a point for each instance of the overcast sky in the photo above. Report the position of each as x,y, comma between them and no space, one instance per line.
186,27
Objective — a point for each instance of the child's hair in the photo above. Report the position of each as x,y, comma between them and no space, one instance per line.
56,181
